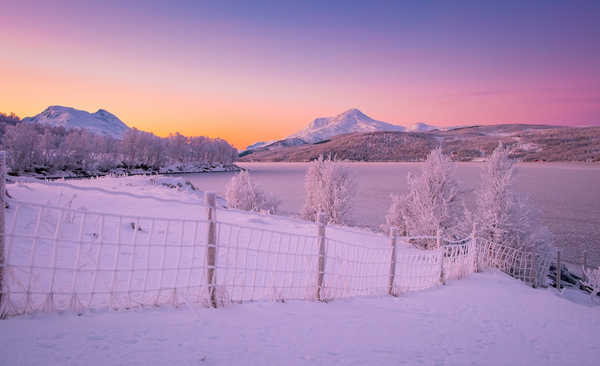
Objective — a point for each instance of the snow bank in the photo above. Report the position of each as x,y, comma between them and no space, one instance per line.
487,319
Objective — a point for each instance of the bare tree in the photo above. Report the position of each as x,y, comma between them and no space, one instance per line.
330,188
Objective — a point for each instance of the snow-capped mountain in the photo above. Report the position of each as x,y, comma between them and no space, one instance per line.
102,122
352,120
257,145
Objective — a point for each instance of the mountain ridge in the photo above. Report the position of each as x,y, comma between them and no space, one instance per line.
527,143
101,122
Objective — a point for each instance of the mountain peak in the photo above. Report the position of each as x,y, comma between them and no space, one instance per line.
352,120
354,112
102,122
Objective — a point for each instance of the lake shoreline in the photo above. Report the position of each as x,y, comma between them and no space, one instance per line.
132,172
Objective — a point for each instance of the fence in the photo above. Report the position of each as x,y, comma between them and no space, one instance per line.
527,266
57,258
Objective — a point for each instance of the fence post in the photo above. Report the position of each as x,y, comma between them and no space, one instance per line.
211,246
584,265
439,245
322,252
475,249
393,231
2,227
558,270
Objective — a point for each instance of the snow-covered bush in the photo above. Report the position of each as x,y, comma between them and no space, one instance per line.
504,216
592,279
432,202
243,194
330,188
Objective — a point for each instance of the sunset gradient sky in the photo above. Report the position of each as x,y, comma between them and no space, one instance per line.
258,70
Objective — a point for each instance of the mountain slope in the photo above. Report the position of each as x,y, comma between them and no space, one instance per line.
102,122
527,143
350,121
421,127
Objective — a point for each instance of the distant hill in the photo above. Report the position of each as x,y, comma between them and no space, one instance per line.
527,142
421,127
101,122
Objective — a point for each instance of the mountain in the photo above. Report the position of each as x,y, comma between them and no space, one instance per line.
350,121
256,145
526,142
272,145
102,122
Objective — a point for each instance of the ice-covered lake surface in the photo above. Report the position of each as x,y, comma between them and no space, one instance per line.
568,195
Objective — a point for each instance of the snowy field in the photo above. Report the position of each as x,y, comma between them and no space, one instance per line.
487,319
484,319
567,194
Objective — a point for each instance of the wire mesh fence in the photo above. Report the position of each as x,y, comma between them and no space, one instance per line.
58,259
527,266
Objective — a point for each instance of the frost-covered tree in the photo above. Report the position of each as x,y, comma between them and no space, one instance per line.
22,143
243,194
503,215
432,202
330,188
33,145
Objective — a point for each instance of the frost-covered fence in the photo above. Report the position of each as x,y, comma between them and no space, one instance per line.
527,266
60,258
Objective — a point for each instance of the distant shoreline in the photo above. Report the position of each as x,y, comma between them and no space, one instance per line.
133,172
522,163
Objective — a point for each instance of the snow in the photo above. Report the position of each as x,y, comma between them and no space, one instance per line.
352,120
101,122
421,127
487,319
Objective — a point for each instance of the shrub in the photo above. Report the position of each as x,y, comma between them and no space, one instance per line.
241,193
432,202
330,188
504,216
593,280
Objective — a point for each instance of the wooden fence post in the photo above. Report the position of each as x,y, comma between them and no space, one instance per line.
2,227
584,265
322,253
441,249
558,270
475,249
211,246
393,259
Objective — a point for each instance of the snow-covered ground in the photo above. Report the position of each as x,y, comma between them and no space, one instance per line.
487,319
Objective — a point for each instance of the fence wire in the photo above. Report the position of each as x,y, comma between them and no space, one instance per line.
59,259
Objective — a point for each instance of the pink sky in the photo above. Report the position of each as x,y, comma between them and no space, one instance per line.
260,74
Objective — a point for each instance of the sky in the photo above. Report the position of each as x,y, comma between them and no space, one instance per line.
261,70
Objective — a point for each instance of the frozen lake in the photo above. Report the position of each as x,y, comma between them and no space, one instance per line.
568,195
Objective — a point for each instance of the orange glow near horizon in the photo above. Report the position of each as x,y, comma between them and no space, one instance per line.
248,81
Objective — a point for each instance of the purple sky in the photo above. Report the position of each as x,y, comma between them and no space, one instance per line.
258,70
